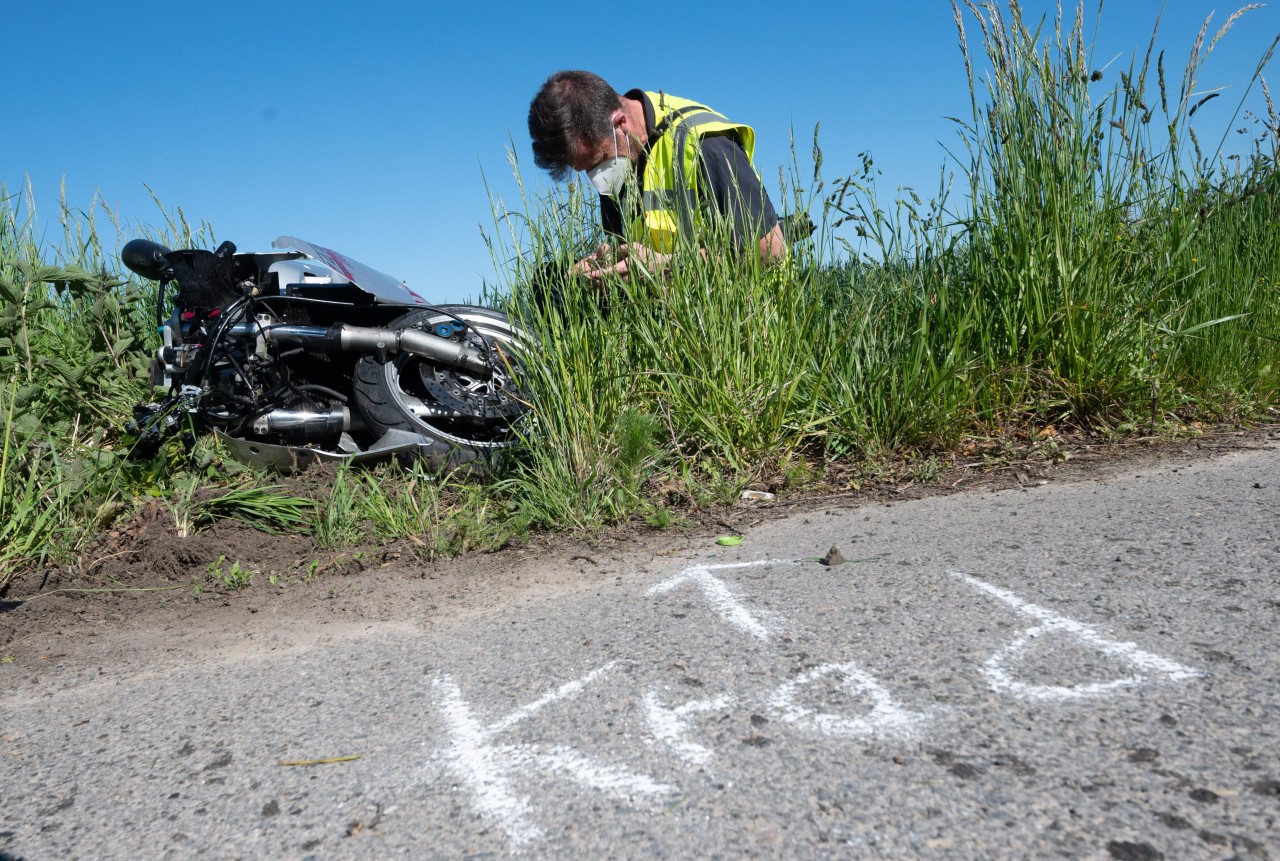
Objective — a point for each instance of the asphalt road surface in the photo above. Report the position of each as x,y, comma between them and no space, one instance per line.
1084,670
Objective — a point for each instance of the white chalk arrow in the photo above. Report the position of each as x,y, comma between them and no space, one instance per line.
727,604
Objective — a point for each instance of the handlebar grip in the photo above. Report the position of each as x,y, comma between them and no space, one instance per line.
148,259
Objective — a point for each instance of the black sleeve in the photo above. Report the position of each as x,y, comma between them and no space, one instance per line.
731,186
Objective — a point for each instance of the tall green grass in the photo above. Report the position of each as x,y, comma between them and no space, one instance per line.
1095,266
75,342
1117,263
1103,261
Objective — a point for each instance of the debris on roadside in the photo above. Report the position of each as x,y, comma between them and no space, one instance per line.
330,760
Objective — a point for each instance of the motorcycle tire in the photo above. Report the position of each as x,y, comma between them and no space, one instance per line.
409,392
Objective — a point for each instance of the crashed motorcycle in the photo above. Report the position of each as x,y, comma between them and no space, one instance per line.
303,354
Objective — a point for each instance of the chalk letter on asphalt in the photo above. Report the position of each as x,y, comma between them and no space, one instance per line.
884,719
996,669
489,771
671,725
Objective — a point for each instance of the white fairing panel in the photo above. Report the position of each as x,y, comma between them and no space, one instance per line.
381,285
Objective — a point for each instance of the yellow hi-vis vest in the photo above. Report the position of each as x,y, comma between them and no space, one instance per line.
670,210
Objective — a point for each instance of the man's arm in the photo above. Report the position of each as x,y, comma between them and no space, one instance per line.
730,181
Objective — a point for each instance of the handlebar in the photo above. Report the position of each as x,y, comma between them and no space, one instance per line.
152,260
148,259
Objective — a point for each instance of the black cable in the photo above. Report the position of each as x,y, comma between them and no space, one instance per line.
323,390
223,322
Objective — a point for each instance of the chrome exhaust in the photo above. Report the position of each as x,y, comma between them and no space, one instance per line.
382,342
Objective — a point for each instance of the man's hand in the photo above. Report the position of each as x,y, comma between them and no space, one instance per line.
628,257
773,246
621,260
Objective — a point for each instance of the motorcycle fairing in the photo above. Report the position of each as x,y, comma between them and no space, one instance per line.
383,286
292,458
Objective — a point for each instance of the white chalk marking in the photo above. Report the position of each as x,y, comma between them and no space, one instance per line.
488,770
724,601
566,690
1002,681
603,777
885,719
484,768
671,725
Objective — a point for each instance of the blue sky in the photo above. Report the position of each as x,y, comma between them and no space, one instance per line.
372,127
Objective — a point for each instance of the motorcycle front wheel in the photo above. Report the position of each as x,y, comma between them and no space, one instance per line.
463,419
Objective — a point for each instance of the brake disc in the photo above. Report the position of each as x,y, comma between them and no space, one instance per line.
477,398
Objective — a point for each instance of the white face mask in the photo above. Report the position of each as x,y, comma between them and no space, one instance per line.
610,175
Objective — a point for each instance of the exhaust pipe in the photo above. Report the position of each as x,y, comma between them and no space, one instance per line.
307,423
388,342
345,338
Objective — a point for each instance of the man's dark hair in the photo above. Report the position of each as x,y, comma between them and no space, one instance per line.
572,106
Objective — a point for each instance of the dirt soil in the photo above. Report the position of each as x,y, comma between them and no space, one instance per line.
145,597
